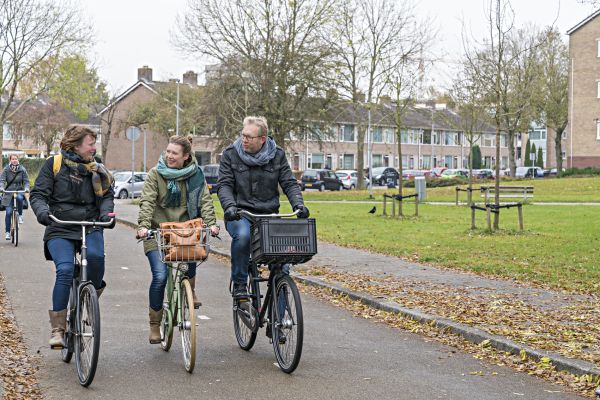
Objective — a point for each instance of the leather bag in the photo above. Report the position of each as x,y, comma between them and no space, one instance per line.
184,241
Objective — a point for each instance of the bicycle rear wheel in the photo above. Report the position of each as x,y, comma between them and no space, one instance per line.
287,324
245,317
187,326
14,229
87,343
67,351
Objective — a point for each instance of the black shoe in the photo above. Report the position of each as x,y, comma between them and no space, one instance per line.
239,291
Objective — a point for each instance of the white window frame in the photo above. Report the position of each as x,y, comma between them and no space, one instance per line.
598,47
597,130
598,85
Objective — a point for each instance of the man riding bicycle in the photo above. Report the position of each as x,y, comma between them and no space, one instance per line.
13,177
250,172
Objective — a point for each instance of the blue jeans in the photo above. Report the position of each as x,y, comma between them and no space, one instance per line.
240,250
63,255
159,270
9,209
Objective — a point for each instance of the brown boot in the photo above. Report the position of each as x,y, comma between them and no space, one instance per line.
155,318
58,322
192,282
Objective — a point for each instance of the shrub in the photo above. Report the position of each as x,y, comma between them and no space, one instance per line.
579,172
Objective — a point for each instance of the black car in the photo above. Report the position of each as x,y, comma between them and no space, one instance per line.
321,179
384,175
211,174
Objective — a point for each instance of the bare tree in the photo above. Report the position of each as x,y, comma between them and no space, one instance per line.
502,67
42,122
274,48
554,88
370,38
32,32
107,119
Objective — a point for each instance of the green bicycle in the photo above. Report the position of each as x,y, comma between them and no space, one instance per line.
178,307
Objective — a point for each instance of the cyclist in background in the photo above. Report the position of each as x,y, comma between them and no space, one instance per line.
77,189
14,177
251,170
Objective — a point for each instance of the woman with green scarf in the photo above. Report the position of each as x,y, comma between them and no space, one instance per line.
174,191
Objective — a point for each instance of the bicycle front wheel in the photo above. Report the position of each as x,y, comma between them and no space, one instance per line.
287,324
187,326
245,318
87,343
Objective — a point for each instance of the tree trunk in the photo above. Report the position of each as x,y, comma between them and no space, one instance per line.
558,149
512,163
360,152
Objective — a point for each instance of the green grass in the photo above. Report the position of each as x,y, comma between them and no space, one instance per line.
560,246
546,190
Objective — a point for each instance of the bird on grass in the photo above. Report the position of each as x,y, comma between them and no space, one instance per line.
373,210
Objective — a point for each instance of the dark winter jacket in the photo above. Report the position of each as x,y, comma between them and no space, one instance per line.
19,180
255,188
68,196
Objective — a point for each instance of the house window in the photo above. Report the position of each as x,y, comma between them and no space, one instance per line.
426,162
347,133
389,135
377,135
316,160
348,161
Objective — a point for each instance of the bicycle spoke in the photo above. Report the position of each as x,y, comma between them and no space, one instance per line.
287,325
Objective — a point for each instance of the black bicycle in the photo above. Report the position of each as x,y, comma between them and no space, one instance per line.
82,334
14,219
277,243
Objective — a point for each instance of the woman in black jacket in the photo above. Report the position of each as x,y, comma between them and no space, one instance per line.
76,189
13,177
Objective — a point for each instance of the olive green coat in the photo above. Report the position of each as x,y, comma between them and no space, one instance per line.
153,210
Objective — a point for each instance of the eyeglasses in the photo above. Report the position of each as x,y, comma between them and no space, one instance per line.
247,137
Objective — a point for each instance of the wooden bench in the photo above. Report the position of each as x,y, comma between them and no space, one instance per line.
489,192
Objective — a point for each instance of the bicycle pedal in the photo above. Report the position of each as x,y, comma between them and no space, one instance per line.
57,347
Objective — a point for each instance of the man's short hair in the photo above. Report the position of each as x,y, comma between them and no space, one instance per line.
261,122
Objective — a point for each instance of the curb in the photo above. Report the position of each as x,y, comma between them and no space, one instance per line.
474,335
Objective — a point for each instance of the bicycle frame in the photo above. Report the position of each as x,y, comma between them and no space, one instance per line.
14,220
175,278
270,296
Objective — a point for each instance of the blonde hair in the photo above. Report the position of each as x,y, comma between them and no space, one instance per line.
261,122
74,136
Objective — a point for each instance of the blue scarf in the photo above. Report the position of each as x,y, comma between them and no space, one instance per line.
265,154
172,175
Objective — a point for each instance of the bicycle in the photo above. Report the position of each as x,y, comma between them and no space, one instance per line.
82,333
277,243
178,308
14,225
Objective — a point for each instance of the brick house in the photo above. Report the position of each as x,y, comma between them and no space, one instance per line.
583,143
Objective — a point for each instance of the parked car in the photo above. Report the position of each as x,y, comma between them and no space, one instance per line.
455,173
484,173
124,186
321,179
211,174
349,178
382,175
437,172
529,172
409,174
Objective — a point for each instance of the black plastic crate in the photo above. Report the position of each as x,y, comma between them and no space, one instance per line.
283,241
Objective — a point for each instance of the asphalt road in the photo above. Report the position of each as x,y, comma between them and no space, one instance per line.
344,357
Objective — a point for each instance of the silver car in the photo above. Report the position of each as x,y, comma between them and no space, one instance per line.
349,178
124,186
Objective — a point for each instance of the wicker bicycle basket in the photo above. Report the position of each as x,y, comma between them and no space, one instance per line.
183,245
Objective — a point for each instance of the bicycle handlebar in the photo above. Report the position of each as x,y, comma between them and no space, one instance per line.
248,213
84,223
14,191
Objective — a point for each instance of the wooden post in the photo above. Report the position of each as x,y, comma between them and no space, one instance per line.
473,218
487,192
520,217
384,204
393,207
488,210
469,195
457,190
417,206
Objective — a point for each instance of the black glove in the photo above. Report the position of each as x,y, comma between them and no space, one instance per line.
44,218
231,214
302,211
106,218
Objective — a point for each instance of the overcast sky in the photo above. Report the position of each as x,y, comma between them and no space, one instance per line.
133,33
